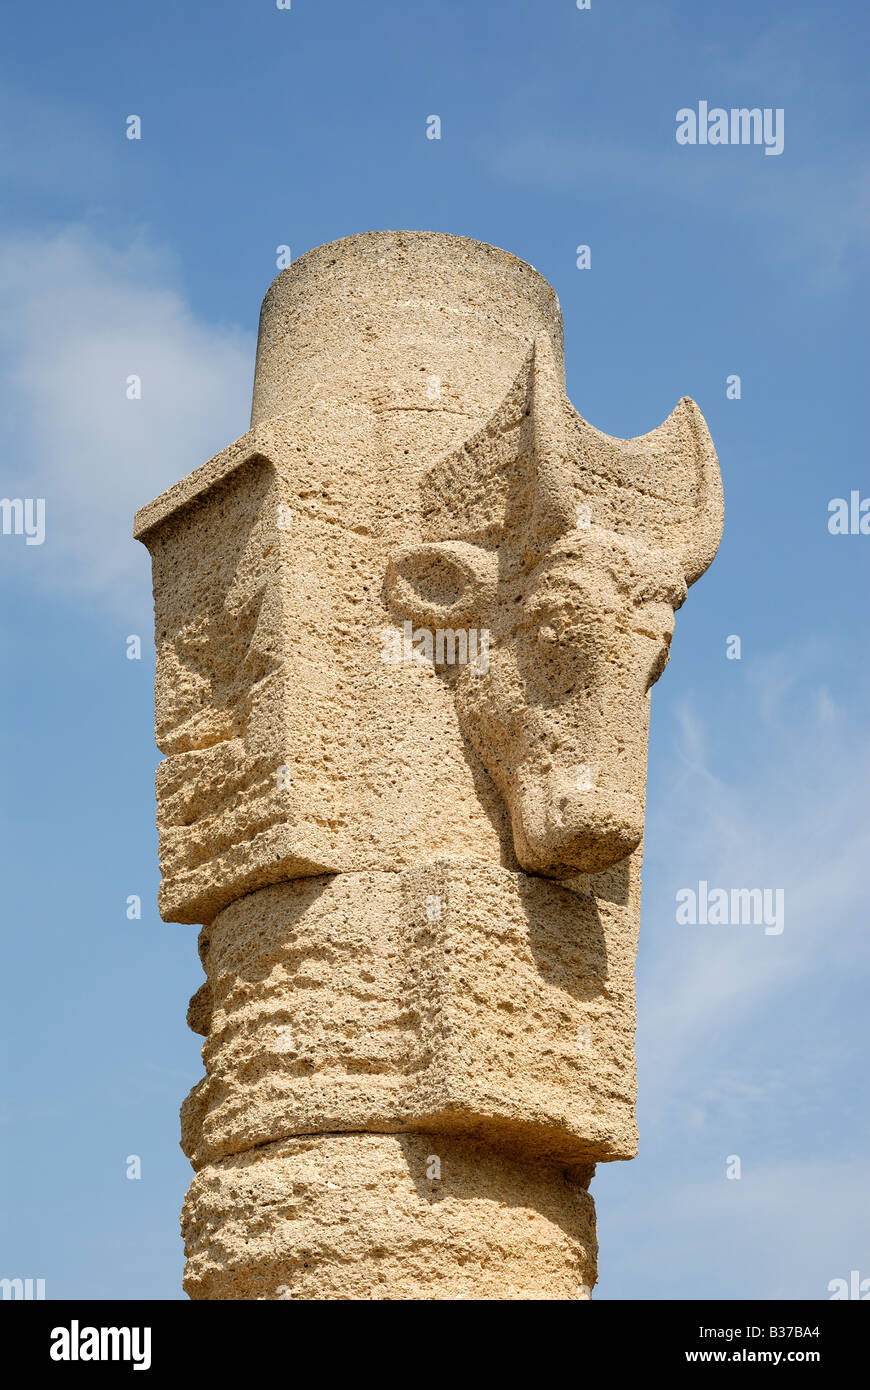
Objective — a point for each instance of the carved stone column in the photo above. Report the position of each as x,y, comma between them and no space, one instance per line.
406,632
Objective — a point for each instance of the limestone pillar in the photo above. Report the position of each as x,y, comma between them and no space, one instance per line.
406,631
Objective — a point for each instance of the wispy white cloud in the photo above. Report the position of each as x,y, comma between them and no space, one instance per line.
783,1230
810,205
77,318
813,211
792,817
747,1043
771,62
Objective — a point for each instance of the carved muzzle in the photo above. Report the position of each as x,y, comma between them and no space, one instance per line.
558,713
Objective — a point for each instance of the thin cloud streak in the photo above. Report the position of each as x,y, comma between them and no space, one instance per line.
79,318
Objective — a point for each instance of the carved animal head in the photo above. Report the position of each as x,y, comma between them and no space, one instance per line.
572,550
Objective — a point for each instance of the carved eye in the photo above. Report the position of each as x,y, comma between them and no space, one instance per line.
441,583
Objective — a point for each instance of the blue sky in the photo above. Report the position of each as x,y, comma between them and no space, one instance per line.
263,127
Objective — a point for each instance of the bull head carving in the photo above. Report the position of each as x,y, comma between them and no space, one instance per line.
572,550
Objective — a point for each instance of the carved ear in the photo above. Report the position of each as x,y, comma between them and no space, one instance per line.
442,583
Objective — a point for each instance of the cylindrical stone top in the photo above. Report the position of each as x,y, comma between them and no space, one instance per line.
400,321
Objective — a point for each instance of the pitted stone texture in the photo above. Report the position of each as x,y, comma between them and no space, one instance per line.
401,324
293,746
407,629
303,739
456,998
359,1217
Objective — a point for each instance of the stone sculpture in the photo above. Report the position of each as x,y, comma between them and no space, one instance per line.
406,630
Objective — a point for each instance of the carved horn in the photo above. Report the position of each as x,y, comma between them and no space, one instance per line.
683,453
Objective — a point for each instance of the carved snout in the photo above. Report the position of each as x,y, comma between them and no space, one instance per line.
562,826
568,687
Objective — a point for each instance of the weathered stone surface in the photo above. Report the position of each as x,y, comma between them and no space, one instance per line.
454,997
407,629
358,1217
